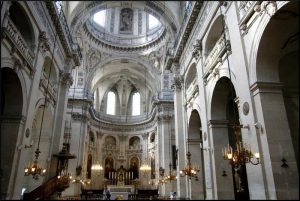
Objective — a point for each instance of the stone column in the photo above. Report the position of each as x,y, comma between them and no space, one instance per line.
164,144
97,101
276,143
43,47
207,173
223,186
180,134
66,81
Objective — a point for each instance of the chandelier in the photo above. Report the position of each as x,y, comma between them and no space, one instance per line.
97,167
145,167
162,174
170,176
240,154
35,169
190,170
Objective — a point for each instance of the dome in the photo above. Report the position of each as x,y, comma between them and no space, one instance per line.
125,27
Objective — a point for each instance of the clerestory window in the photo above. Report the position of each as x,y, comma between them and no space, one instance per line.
153,22
136,104
99,17
111,103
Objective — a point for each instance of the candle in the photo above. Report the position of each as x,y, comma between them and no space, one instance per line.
109,175
131,175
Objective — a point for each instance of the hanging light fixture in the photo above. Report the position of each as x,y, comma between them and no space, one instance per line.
240,154
190,170
162,175
171,176
35,169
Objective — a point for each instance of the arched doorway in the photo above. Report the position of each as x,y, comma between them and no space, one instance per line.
277,91
10,120
197,186
224,116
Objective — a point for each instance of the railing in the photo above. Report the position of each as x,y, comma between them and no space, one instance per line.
166,95
187,12
245,7
19,41
51,89
217,52
47,189
65,28
100,33
123,119
191,88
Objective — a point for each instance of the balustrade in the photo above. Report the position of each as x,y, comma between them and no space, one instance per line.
216,53
52,91
19,41
100,33
123,118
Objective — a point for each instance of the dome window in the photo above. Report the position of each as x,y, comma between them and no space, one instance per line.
99,17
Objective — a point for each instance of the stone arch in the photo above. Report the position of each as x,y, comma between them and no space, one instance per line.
194,142
191,75
49,67
225,114
213,34
23,23
11,108
110,141
134,142
274,68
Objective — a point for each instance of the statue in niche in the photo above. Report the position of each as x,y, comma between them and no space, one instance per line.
126,17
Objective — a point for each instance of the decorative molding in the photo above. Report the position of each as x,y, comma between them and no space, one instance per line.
266,87
177,82
43,42
110,43
66,78
246,108
79,117
197,49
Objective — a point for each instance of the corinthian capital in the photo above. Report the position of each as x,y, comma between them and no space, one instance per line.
177,82
43,42
66,78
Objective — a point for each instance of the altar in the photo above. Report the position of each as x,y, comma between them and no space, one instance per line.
122,190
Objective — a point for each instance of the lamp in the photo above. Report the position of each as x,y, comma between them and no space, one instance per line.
35,169
190,170
171,176
239,155
97,167
162,175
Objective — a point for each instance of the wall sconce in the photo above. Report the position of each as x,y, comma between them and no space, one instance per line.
284,165
258,126
21,146
224,173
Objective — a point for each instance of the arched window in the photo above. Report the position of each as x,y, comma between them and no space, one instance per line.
111,103
136,104
99,17
153,22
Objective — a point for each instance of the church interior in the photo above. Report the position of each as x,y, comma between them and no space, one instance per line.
149,100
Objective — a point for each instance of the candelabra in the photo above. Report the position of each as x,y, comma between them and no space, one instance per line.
190,170
240,155
170,176
35,169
